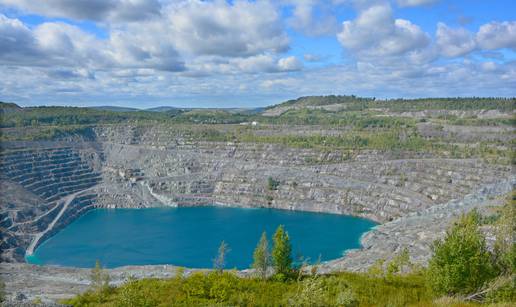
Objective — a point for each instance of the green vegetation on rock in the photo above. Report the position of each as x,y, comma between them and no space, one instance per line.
358,103
272,184
346,123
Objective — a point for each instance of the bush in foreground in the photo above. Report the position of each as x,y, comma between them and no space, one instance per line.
461,263
227,289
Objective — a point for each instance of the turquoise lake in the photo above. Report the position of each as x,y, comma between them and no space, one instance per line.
190,237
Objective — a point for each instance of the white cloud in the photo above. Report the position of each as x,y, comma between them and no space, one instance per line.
220,28
254,64
489,66
290,63
245,36
312,57
140,87
16,41
205,66
266,63
454,42
134,49
313,18
376,33
279,83
96,10
237,48
180,29
405,3
497,35
62,45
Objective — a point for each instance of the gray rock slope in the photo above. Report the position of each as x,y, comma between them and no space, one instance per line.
46,185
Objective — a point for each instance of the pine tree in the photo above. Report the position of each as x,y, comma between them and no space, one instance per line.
220,261
99,278
261,256
281,252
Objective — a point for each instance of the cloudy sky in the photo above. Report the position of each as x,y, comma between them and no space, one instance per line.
243,53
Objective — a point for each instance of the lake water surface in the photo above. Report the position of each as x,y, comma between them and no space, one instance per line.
190,236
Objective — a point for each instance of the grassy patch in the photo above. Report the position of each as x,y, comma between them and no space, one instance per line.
226,289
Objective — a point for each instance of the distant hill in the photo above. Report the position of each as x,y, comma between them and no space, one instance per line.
115,109
330,103
334,103
9,107
321,100
308,110
248,111
256,110
162,109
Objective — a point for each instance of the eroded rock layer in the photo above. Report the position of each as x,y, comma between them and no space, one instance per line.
46,185
415,195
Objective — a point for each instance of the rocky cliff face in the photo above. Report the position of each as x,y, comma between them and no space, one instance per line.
418,230
46,185
124,166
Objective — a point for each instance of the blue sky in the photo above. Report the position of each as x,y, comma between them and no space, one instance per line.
192,53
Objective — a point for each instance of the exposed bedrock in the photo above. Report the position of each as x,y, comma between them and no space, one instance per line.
152,166
418,230
237,175
38,183
46,185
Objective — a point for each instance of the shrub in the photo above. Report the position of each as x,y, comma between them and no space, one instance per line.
346,297
505,228
376,270
272,184
131,295
502,289
227,289
461,263
399,264
310,292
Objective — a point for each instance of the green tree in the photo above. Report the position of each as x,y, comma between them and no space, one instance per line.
281,252
261,256
461,263
220,261
99,279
